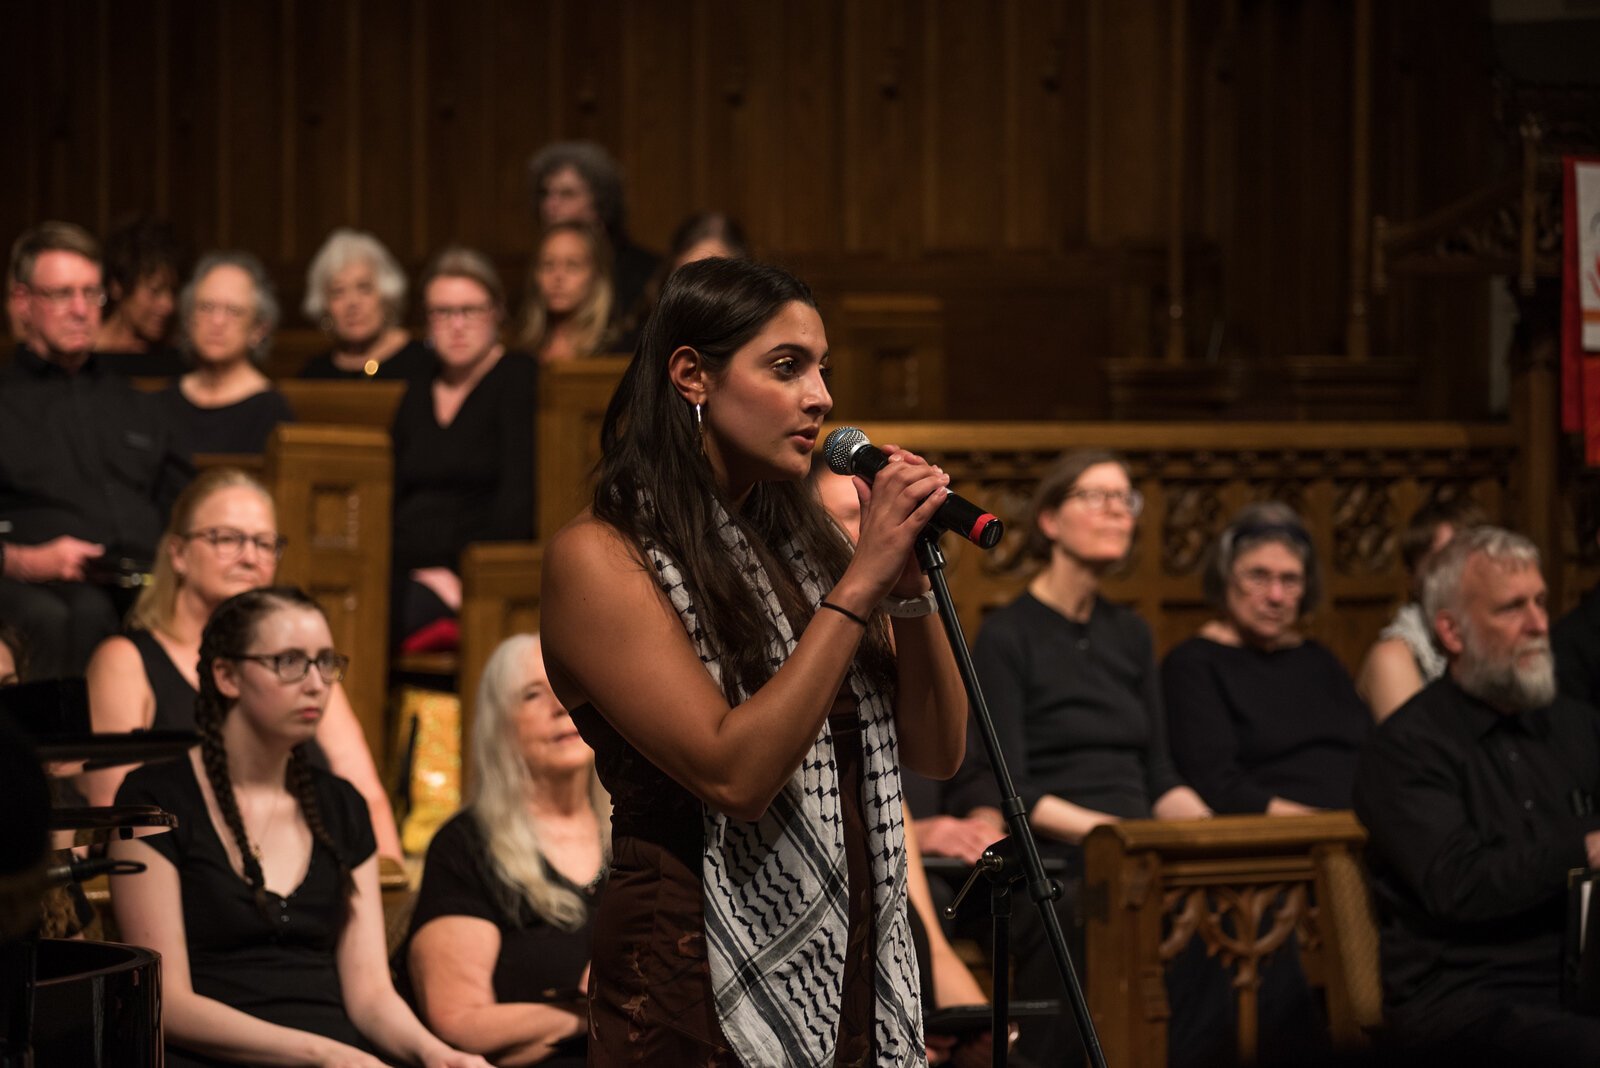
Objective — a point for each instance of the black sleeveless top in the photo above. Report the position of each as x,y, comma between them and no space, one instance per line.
175,698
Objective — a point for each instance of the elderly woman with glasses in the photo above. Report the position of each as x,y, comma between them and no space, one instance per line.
356,292
463,448
263,902
1071,682
1263,719
222,540
225,404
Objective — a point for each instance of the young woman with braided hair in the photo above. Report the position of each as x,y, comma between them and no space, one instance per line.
264,901
729,659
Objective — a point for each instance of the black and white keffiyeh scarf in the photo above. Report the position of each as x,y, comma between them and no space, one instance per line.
775,891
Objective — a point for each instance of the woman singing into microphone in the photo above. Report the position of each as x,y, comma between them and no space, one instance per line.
751,690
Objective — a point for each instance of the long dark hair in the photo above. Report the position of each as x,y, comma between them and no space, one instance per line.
229,632
652,453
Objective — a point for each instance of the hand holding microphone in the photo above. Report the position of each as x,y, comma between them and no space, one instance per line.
848,452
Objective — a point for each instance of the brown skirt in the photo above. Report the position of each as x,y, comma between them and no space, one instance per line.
650,999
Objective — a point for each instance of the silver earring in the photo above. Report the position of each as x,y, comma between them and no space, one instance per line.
699,418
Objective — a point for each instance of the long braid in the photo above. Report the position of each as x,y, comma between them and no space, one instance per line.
209,712
298,780
229,632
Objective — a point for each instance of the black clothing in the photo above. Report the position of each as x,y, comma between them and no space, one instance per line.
83,454
174,696
632,269
1077,708
1575,640
459,880
472,480
1472,832
1249,725
63,622
241,427
284,972
411,360
160,362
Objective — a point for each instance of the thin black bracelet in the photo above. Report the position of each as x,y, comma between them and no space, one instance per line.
843,612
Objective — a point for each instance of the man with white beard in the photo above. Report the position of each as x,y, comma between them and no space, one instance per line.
1479,796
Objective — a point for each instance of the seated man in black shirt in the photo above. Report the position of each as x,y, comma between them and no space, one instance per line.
83,458
1471,794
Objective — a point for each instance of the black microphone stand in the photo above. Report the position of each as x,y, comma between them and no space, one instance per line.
1000,871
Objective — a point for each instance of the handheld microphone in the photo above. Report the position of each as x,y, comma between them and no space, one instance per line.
848,452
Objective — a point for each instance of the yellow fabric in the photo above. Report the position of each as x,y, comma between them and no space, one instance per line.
434,785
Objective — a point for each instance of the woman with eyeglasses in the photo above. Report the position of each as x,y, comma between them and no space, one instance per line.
263,902
463,448
225,404
1070,680
222,540
1263,719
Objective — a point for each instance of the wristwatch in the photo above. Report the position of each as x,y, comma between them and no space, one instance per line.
910,607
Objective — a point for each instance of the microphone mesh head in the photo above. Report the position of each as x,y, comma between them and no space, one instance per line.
840,445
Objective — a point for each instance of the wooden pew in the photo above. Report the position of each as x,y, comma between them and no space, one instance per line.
333,486
1151,887
342,403
572,405
499,598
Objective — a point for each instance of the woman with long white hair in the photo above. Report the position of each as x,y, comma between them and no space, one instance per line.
499,945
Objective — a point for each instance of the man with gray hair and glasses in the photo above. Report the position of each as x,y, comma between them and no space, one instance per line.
85,461
1479,796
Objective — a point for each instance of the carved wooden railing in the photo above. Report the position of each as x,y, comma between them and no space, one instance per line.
1247,887
499,598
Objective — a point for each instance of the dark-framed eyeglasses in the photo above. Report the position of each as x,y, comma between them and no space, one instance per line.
1099,500
294,664
58,296
229,542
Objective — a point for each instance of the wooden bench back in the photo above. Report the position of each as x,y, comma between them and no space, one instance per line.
333,486
343,403
499,598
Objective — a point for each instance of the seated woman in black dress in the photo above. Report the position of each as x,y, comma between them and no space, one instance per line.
225,404
499,942
141,282
1262,718
263,902
463,448
356,292
222,540
567,309
1071,683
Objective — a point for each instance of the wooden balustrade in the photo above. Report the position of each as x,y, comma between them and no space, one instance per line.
1247,887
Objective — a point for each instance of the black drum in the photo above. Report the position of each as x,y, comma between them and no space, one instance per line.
96,1005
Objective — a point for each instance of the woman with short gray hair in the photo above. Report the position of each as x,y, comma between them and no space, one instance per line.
1262,718
356,292
225,404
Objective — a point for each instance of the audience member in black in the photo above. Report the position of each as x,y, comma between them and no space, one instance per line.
17,294
263,902
141,278
356,292
1263,719
567,313
578,180
498,950
225,404
1470,794
1071,684
86,463
463,447
1405,658
701,236
223,539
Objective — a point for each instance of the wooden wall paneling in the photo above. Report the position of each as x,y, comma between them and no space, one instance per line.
325,125
520,121
965,108
250,173
132,111
1128,98
333,487
386,93
22,86
587,82
796,199
663,120
1043,126
460,111
882,89
72,172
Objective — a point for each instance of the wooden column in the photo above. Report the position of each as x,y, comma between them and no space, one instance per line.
1177,132
1356,338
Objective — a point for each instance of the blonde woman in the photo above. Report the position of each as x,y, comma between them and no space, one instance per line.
569,299
499,942
223,539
